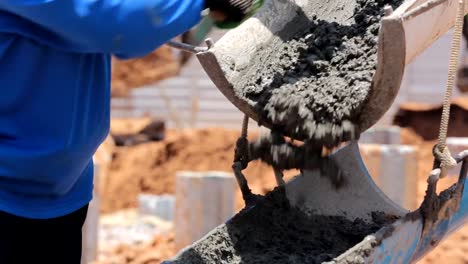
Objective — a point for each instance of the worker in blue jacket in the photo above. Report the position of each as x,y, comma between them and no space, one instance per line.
55,58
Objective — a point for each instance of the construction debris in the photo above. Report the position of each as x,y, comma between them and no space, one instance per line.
154,131
129,227
159,249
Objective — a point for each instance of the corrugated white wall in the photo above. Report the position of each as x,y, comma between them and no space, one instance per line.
196,102
426,77
193,99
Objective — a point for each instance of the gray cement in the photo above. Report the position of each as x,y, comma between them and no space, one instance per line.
275,151
313,85
275,232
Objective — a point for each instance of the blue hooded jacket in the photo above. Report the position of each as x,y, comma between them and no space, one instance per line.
55,90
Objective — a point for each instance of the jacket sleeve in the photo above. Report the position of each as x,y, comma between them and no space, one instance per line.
125,28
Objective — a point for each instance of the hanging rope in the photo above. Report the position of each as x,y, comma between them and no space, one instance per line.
241,151
441,151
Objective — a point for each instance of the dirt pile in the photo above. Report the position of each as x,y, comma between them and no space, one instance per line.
424,118
128,74
277,233
125,126
452,250
151,167
314,85
154,131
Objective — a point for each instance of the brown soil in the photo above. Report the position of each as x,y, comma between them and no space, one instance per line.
151,168
128,74
123,126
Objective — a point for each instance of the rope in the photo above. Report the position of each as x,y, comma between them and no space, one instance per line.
241,161
444,156
241,152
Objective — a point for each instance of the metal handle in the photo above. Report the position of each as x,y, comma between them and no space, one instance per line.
190,48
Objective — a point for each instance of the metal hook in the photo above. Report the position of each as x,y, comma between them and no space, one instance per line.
188,47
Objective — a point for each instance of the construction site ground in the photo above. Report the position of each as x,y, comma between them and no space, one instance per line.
151,167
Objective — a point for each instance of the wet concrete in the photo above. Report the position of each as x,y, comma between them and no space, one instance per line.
275,232
313,85
275,151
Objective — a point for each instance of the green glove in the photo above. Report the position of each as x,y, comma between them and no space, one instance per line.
228,14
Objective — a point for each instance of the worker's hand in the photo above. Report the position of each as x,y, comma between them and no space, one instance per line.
230,13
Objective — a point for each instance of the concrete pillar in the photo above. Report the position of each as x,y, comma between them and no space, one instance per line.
102,159
456,145
161,206
394,169
91,225
204,200
388,135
